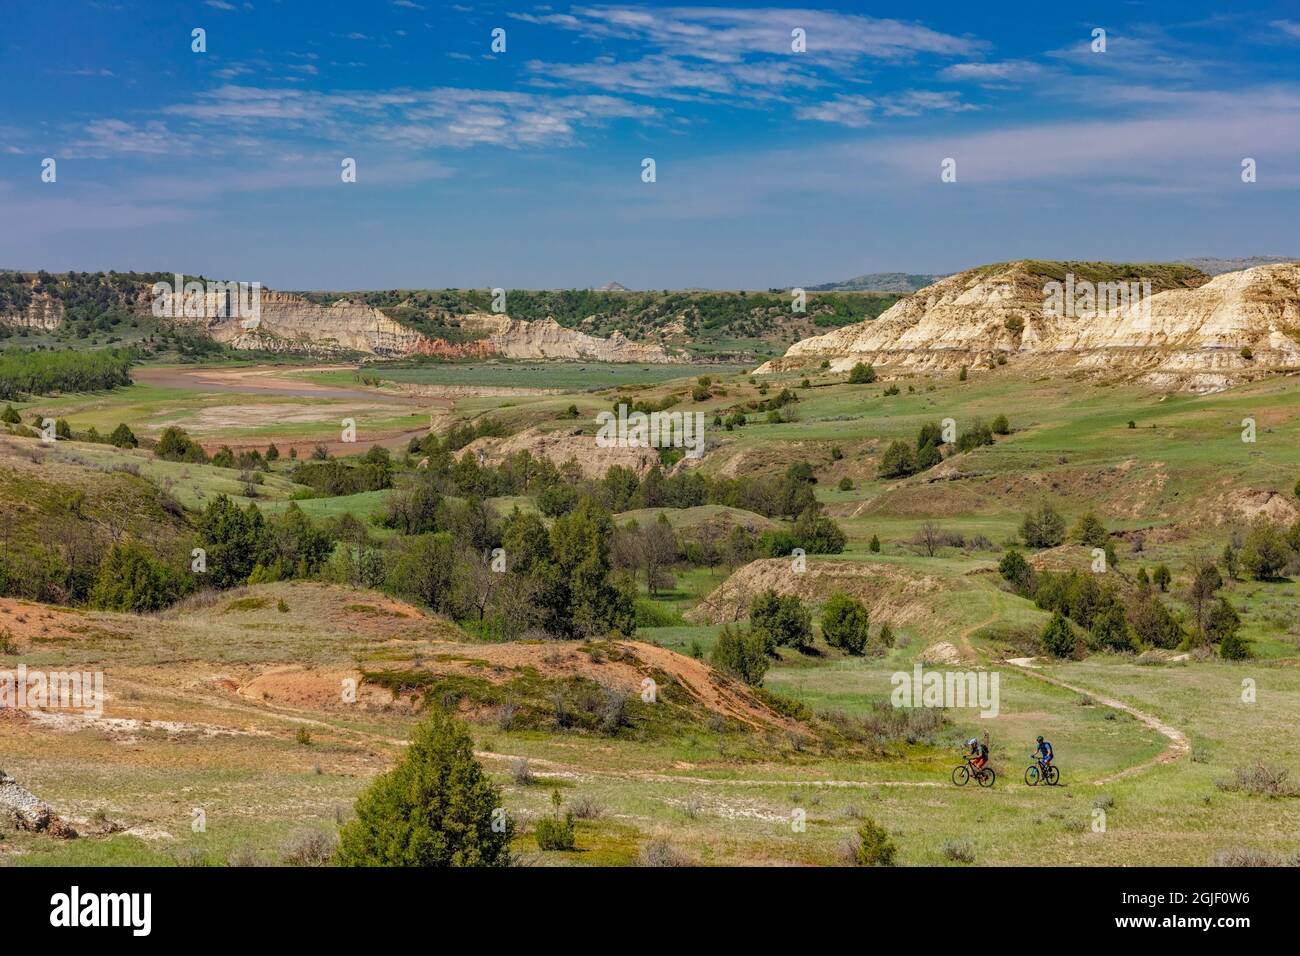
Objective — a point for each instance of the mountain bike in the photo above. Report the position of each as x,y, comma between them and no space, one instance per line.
1039,772
964,772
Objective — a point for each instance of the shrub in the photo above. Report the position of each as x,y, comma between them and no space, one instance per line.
310,848
1161,577
1016,570
175,445
1260,780
927,456
1058,636
1265,552
554,833
123,437
740,653
959,851
661,853
846,623
584,807
862,374
846,484
874,546
1234,647
1001,426
520,771
1043,528
435,808
781,620
130,579
897,461
1089,531
874,848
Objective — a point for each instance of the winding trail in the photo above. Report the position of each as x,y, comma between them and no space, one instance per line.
1178,746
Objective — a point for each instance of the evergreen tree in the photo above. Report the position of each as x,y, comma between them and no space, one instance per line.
435,808
846,623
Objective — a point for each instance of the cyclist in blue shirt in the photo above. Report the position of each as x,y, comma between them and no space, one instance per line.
1044,752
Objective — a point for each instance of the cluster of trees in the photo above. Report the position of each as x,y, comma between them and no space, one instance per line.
26,372
901,460
331,477
121,436
782,620
175,444
505,577
559,489
1266,552
1096,612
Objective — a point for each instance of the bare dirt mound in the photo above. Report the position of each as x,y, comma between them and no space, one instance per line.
894,594
1249,504
27,623
621,666
712,520
563,445
296,687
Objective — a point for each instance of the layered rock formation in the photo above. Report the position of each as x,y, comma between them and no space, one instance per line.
44,312
547,339
1200,336
291,323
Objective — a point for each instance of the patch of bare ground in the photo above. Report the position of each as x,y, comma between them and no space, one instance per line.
621,665
29,623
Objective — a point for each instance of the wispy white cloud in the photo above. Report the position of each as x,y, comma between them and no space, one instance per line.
1289,28
746,56
419,119
105,138
993,73
727,35
856,111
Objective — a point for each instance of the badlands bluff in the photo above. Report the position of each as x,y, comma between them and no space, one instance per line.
291,323
1190,332
285,322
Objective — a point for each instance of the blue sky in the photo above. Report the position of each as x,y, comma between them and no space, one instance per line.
523,168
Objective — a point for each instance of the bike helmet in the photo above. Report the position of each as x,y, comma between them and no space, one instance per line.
1040,740
971,742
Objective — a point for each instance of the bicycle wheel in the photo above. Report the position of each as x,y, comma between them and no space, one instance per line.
960,775
1031,776
986,777
1053,776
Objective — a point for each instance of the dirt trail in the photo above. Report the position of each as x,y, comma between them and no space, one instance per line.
964,638
1178,743
1178,746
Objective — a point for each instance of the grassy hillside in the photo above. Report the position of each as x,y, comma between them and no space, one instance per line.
232,698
